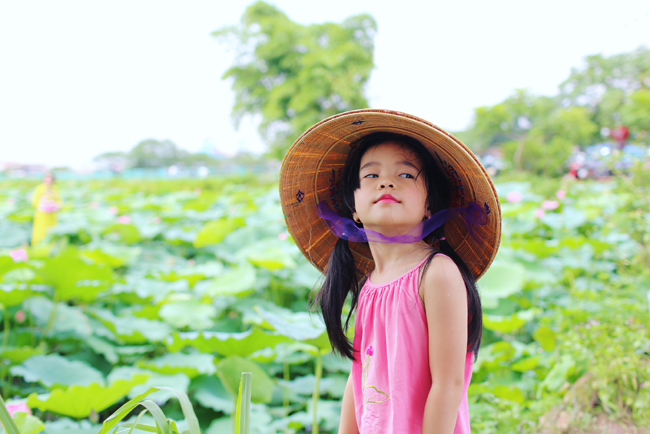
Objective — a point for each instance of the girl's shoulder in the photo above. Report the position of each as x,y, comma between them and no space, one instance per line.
439,272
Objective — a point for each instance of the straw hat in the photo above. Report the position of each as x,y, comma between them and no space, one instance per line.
312,168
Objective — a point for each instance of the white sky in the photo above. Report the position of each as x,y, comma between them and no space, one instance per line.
78,78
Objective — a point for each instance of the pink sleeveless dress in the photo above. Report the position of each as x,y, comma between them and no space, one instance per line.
391,377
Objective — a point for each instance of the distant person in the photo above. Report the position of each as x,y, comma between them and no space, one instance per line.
47,202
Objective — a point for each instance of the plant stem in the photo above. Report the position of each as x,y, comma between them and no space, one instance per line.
315,397
285,400
50,322
5,337
5,341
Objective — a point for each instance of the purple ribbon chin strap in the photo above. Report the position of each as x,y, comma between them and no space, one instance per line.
345,228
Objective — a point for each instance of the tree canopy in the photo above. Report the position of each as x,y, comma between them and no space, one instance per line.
290,76
152,153
538,133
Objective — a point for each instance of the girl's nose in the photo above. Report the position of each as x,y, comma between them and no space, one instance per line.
385,184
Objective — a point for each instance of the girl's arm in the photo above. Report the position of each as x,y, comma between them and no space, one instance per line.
445,302
348,417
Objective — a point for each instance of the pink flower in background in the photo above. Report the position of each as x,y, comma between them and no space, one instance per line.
113,210
18,407
550,204
124,219
19,255
157,220
197,191
20,316
561,194
514,197
283,236
540,213
11,201
370,351
48,205
94,204
191,262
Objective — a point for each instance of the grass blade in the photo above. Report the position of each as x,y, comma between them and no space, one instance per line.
124,410
188,410
158,415
5,418
243,415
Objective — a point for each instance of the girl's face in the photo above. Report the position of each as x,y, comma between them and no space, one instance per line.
392,195
48,179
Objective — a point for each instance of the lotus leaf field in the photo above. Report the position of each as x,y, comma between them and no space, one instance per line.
185,284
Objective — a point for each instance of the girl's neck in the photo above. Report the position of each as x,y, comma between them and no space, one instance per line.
394,259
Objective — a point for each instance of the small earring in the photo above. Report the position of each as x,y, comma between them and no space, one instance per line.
358,220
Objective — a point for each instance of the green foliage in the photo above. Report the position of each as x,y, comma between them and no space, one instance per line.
604,84
564,305
292,75
636,114
152,153
538,133
82,401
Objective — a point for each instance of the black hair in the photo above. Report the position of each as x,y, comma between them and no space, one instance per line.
343,278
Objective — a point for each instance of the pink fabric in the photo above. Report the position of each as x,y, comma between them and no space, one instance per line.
391,376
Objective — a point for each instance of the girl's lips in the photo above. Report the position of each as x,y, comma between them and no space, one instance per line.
387,198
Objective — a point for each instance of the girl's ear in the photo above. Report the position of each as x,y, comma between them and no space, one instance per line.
427,214
355,217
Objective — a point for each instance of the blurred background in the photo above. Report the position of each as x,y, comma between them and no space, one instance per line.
142,241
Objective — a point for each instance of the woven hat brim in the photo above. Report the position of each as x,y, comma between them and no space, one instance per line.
311,171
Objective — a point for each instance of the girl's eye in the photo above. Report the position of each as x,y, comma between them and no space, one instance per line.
407,176
371,175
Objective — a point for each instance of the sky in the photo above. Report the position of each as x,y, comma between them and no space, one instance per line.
79,78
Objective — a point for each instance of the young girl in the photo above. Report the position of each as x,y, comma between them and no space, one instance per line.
400,216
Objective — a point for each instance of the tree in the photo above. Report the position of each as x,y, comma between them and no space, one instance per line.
636,114
113,161
604,84
154,153
293,75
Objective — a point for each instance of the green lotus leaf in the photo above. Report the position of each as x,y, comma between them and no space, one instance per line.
8,264
28,424
53,370
546,337
238,281
127,233
134,330
13,294
511,393
527,364
268,254
112,255
504,324
191,365
230,370
188,313
73,278
17,355
81,401
214,232
19,275
106,349
210,393
150,289
226,344
68,320
177,381
300,326
501,280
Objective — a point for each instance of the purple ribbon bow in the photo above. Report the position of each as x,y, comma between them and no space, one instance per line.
345,228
